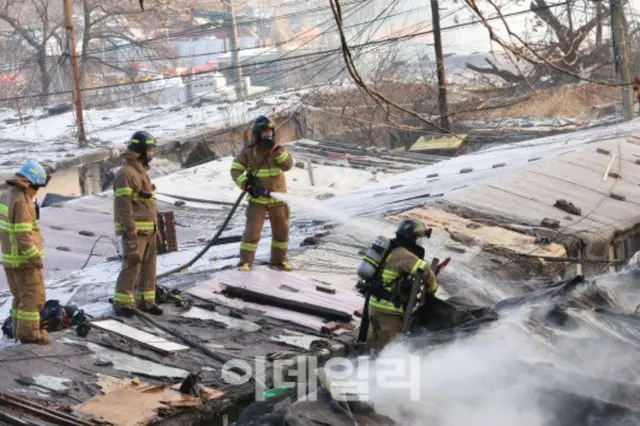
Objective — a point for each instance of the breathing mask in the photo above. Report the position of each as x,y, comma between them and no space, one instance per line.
268,142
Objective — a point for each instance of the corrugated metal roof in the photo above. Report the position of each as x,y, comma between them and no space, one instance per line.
67,250
529,193
563,163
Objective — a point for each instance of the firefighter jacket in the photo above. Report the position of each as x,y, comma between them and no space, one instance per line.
399,264
20,236
134,200
268,167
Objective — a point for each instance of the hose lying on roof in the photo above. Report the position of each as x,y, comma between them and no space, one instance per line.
211,242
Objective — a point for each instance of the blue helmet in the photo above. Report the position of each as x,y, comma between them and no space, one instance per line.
34,172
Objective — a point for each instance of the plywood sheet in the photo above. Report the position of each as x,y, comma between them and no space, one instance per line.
144,338
137,404
290,286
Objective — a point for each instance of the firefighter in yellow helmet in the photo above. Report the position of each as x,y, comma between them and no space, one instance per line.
22,252
259,169
404,260
136,221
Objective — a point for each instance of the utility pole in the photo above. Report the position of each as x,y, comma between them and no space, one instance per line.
442,84
621,57
235,54
77,95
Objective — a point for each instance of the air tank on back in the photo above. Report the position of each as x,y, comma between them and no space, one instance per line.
373,258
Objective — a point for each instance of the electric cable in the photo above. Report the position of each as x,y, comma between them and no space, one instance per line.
95,243
381,41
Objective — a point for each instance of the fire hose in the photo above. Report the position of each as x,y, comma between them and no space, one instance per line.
215,237
211,242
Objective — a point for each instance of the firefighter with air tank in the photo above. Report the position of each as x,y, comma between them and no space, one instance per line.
388,271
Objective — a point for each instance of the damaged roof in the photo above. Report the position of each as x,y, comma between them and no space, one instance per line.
313,309
594,171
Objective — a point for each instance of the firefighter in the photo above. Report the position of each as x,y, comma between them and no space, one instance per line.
22,252
136,219
259,169
402,262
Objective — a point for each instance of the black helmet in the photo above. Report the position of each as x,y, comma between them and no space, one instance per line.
410,230
140,141
259,124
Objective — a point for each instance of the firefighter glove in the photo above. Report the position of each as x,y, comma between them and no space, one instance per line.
251,182
132,254
258,191
36,262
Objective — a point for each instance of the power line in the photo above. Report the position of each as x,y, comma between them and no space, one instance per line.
351,11
275,45
382,41
191,32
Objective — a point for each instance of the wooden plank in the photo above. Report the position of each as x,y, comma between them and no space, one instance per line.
282,302
209,290
145,339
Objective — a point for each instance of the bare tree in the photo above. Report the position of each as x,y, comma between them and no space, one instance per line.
115,33
351,115
37,24
111,35
562,35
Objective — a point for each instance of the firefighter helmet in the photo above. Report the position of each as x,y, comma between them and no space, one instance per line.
410,230
34,172
141,141
259,124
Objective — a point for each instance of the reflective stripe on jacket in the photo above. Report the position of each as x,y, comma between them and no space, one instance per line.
268,167
397,265
131,209
20,236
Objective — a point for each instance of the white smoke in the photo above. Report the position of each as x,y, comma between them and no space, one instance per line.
471,381
501,376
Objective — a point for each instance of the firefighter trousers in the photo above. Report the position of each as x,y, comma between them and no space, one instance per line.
27,287
256,214
383,328
138,273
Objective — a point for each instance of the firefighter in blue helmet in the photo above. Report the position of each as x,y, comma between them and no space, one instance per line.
22,252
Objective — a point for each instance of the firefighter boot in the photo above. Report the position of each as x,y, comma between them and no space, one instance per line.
124,311
42,339
154,310
282,267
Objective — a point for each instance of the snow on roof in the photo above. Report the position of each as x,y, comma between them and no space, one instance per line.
51,138
250,53
67,250
501,163
212,182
